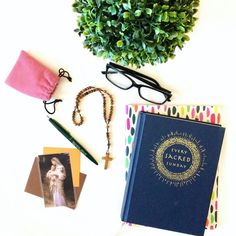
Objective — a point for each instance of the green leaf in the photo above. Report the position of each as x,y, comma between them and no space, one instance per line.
165,17
172,14
148,11
173,35
105,54
126,15
159,18
155,6
186,37
100,26
136,34
110,2
121,33
94,39
98,2
119,43
182,15
150,49
160,47
112,10
109,23
165,7
143,45
114,23
127,6
195,3
181,28
86,32
157,30
130,55
123,27
138,13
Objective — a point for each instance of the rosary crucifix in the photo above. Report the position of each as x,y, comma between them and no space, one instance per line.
107,115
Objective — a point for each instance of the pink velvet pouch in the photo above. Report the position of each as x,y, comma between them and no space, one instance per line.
31,77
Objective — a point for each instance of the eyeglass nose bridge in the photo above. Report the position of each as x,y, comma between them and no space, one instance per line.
134,84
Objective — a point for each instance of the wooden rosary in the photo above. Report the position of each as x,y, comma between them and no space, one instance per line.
107,114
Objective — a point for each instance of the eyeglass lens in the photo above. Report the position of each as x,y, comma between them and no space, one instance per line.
152,95
118,79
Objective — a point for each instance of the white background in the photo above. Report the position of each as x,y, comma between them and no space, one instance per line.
202,73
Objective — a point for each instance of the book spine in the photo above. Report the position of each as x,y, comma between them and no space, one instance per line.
132,167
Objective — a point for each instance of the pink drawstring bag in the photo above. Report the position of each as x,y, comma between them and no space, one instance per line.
31,77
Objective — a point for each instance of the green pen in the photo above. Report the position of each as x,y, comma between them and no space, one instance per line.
59,127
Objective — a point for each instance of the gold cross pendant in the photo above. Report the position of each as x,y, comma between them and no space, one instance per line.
107,159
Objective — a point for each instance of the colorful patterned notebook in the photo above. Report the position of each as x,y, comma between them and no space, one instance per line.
209,114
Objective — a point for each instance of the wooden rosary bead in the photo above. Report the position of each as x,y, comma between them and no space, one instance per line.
107,114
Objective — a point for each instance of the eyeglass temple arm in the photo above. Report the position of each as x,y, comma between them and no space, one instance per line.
165,91
108,72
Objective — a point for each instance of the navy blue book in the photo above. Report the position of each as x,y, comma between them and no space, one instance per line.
172,173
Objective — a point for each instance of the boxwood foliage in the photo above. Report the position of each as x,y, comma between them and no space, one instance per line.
135,32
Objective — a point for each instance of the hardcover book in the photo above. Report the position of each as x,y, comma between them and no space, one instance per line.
206,113
172,172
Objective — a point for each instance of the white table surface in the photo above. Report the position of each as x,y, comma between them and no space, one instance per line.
202,73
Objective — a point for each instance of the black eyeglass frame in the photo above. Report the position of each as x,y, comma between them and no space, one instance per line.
153,84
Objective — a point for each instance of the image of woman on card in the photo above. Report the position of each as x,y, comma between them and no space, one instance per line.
57,176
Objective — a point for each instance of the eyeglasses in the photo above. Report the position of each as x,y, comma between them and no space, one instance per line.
124,78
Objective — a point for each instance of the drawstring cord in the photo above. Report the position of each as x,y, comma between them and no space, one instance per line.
62,74
65,74
54,105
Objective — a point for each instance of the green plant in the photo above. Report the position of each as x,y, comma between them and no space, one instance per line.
135,32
